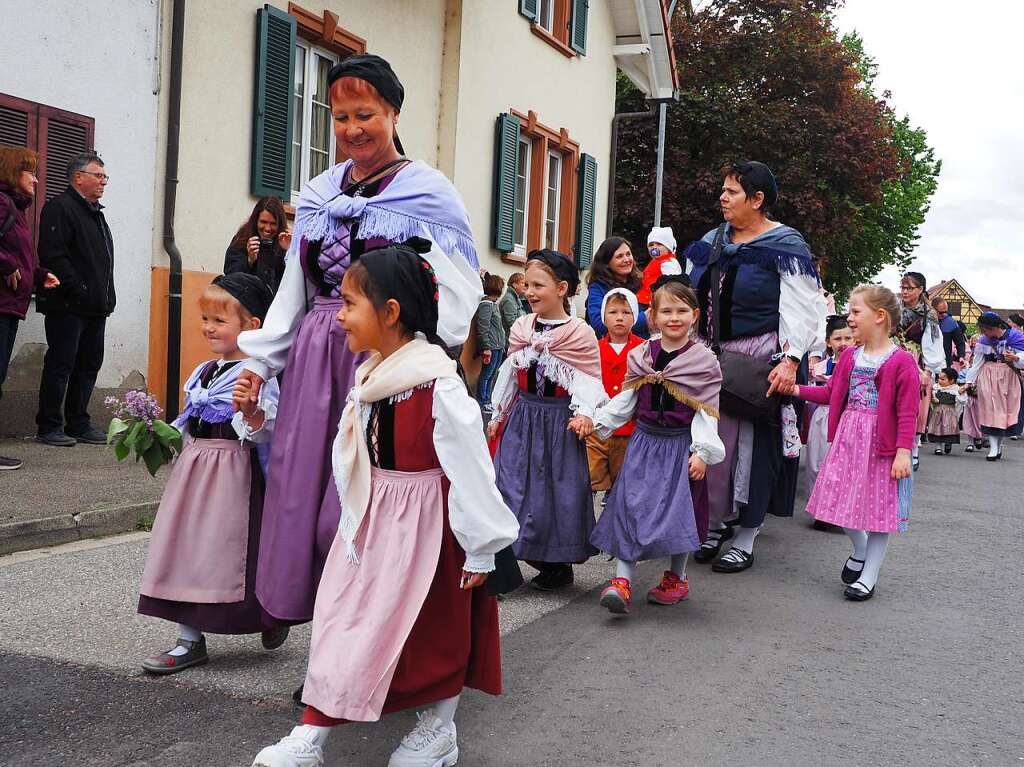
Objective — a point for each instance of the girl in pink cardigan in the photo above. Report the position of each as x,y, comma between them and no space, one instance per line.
865,484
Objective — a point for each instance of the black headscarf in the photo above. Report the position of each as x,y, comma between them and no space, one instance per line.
249,290
564,269
992,320
759,178
665,279
374,70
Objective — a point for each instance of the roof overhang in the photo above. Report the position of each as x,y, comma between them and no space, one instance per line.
643,46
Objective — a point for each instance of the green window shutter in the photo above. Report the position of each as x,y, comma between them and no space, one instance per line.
578,26
506,159
530,9
586,210
273,107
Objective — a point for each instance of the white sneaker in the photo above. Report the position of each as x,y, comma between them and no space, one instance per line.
430,744
299,749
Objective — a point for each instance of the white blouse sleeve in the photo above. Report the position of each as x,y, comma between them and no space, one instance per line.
480,520
976,363
931,349
270,394
616,413
505,380
268,346
706,444
799,306
459,294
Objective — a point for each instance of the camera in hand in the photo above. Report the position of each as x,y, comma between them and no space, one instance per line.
266,247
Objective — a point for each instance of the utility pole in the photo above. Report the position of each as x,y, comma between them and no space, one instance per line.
659,176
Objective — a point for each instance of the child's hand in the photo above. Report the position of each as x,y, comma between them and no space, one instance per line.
492,430
487,357
250,384
582,426
901,464
697,468
472,580
242,399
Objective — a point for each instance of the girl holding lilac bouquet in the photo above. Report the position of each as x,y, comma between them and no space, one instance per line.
201,568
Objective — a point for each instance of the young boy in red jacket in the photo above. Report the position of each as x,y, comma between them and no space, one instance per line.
619,311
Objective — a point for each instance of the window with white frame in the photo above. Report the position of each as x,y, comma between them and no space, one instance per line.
546,14
552,202
313,134
522,205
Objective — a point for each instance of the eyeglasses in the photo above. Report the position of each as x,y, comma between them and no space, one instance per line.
908,288
101,176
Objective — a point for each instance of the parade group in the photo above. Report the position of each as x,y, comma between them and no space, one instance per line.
338,470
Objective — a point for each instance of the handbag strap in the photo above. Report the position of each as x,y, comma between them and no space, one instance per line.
716,288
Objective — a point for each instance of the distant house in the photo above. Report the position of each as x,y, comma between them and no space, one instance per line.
962,305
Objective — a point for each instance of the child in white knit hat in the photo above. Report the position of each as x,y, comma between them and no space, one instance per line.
661,244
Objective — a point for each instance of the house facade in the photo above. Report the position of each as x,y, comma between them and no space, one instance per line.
512,99
80,76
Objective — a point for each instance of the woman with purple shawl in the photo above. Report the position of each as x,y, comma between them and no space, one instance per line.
996,372
375,198
771,309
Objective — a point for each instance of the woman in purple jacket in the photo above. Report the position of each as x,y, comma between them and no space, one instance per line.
20,272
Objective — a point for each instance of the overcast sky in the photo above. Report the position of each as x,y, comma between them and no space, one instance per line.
958,69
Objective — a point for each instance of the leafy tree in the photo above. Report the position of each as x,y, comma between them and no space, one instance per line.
771,80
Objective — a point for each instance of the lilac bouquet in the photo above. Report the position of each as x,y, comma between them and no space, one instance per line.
136,427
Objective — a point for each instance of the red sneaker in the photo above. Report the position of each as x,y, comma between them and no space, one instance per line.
617,596
670,591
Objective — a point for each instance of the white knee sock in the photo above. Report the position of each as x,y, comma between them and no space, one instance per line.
995,444
625,569
316,734
678,565
445,710
187,633
744,540
877,543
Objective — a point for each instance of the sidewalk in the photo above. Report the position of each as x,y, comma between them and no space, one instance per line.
63,494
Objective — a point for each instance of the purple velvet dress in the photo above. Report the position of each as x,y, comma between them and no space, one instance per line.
302,509
653,509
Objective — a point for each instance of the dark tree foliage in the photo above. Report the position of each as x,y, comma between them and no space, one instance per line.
771,80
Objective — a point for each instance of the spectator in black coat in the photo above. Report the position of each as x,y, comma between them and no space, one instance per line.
75,244
260,243
954,340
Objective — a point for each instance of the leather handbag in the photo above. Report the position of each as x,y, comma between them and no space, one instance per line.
744,379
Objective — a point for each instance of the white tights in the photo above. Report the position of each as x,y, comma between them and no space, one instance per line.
872,552
443,710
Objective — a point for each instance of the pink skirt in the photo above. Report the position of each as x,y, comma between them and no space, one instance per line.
855,488
998,396
971,426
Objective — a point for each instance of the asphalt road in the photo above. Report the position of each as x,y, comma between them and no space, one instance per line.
766,667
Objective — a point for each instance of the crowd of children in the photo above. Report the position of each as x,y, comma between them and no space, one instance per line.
571,416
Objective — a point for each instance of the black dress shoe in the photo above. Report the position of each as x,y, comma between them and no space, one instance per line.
734,561
552,578
826,527
56,439
89,435
858,595
271,640
711,548
850,576
297,696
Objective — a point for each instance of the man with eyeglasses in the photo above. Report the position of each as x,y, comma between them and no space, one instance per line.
75,244
954,340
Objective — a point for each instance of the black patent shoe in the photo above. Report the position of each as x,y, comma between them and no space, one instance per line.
271,640
297,696
915,462
995,457
850,576
713,545
165,663
861,594
826,527
553,578
733,561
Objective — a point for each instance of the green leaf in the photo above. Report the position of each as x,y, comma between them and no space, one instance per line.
121,450
133,434
168,435
153,458
117,426
144,442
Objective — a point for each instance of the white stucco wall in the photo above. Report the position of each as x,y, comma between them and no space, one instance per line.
505,66
99,59
217,99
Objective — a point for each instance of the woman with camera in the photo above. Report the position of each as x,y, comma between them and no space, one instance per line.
260,243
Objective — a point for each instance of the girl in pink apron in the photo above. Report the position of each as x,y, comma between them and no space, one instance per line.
996,374
201,568
399,621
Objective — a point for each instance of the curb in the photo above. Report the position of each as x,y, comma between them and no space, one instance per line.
66,528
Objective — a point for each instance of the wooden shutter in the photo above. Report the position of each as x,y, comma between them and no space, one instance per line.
274,107
586,209
578,26
62,139
506,158
530,9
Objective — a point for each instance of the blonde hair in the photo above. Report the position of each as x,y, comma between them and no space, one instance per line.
214,297
877,297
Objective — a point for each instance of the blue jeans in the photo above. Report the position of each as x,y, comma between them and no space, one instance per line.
487,375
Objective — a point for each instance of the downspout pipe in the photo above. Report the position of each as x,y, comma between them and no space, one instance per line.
616,119
170,198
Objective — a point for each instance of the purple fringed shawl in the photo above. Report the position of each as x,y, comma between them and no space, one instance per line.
693,378
419,201
1011,341
212,405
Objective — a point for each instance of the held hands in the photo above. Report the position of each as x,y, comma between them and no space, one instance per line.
901,464
782,379
472,580
581,426
697,468
492,430
1010,357
487,355
246,393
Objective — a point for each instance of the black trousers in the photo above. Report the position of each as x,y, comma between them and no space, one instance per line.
8,332
74,356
